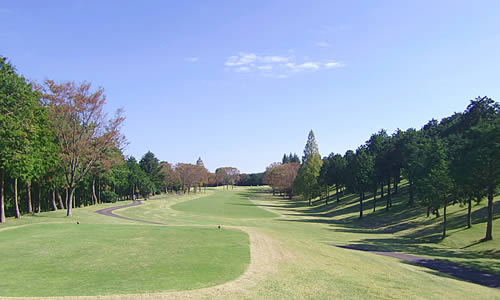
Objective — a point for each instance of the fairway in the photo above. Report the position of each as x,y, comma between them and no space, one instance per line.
226,204
117,259
257,254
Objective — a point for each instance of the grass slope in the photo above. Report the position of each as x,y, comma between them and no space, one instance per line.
407,229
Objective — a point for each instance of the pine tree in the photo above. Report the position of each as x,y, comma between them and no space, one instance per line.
306,182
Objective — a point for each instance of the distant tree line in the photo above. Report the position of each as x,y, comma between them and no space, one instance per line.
455,160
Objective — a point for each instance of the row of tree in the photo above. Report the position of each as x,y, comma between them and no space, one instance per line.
53,135
59,146
452,161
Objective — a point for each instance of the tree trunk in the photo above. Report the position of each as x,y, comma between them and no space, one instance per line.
99,192
310,201
469,209
396,181
54,206
327,195
489,225
337,192
39,196
374,199
410,193
2,204
66,198
28,195
437,213
360,205
70,201
59,199
428,211
94,197
444,219
381,191
388,199
18,215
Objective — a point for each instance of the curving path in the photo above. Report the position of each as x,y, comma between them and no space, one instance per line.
109,212
457,271
265,253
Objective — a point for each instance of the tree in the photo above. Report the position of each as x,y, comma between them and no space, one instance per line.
170,177
435,185
199,162
227,176
281,177
337,165
26,148
135,175
485,154
83,131
151,166
306,182
411,163
323,178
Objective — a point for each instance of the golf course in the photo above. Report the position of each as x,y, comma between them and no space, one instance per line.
237,243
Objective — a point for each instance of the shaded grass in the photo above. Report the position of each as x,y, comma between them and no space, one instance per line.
407,229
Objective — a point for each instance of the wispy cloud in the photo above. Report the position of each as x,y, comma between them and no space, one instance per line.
333,64
276,66
323,44
192,59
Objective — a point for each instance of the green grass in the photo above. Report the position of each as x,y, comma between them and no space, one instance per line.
117,259
408,230
309,267
225,204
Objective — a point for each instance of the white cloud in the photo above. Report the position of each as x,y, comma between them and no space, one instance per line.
274,59
241,59
304,66
323,44
192,59
276,66
333,64
309,65
265,67
243,69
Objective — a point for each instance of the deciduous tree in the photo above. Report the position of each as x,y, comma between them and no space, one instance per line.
83,131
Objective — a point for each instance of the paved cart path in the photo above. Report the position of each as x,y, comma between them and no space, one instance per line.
455,270
109,212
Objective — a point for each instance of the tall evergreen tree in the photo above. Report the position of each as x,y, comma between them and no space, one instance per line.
306,182
151,166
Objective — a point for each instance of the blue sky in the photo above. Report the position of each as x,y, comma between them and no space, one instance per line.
239,83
